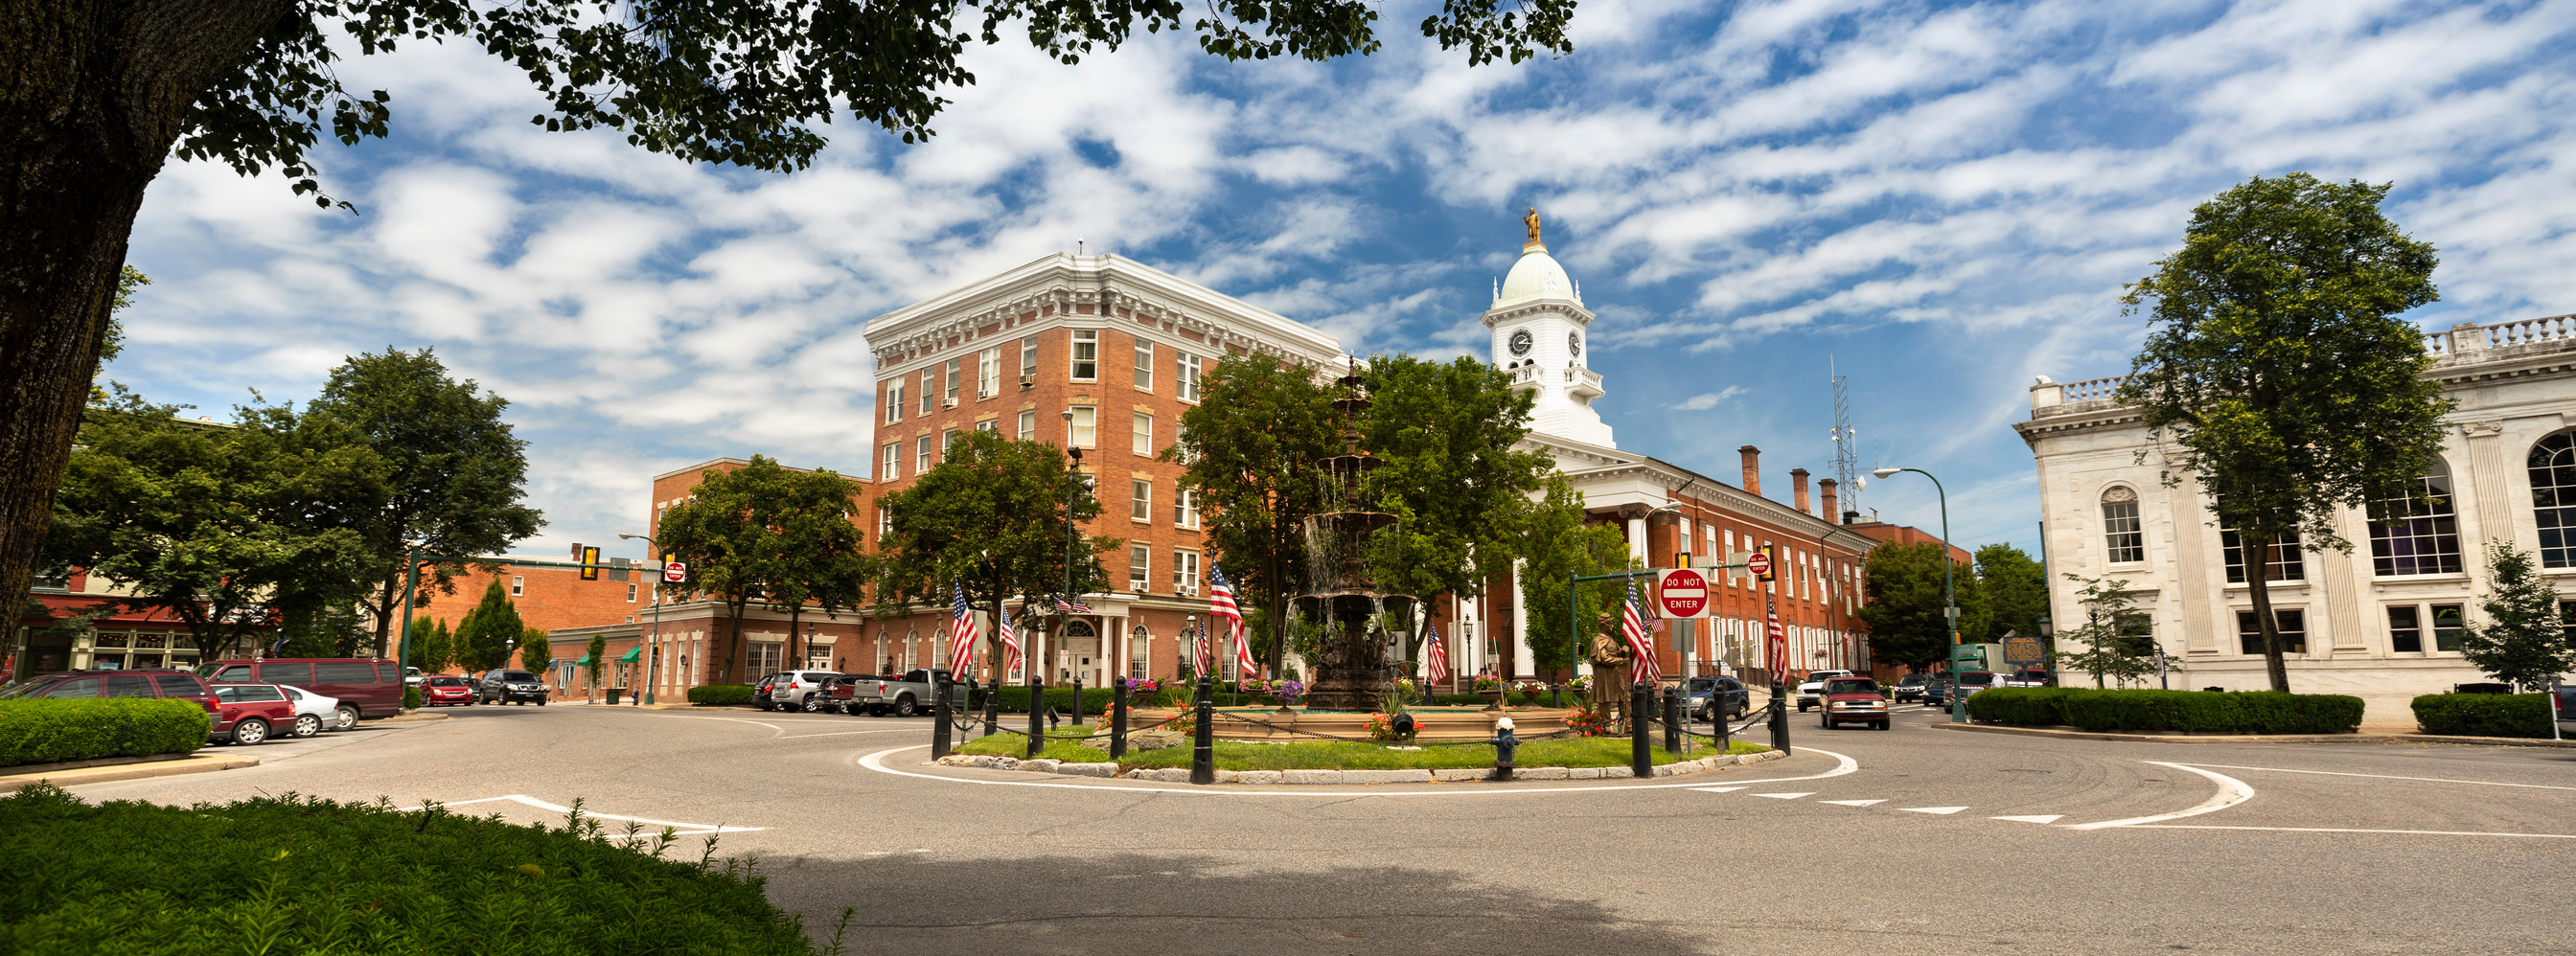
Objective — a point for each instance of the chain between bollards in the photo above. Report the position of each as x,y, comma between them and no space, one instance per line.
1203,750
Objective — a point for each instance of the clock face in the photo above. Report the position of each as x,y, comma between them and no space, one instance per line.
1520,342
1574,341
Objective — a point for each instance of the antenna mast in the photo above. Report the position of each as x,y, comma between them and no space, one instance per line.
1846,443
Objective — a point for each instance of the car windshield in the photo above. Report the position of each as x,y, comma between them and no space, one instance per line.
1860,686
518,676
1909,680
1976,679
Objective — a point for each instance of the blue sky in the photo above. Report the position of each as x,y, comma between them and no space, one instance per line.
1942,200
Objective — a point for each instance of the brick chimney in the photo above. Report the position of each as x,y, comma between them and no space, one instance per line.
1826,488
1752,469
1798,481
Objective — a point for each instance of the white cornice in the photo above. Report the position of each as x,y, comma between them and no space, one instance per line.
927,330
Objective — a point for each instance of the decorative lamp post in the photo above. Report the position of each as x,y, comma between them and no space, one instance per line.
1949,597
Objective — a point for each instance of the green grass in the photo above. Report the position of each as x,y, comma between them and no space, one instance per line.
1341,755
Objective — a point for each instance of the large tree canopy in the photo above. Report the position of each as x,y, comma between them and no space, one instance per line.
989,520
95,95
1251,444
1906,625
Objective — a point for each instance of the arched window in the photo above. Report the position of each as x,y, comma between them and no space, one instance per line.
911,637
2124,537
2417,533
2553,498
1140,647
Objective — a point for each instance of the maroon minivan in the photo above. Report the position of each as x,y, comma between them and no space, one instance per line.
374,688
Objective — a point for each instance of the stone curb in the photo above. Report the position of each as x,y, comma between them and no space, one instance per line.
407,717
2257,738
130,771
1348,777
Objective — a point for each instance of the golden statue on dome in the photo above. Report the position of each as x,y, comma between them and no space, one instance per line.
1531,221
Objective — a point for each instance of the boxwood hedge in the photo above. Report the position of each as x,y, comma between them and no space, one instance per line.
721,694
2173,711
2484,715
296,875
60,731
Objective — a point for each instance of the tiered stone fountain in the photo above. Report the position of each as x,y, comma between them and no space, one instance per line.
1350,668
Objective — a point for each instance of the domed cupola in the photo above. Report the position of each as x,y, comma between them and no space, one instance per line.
1539,325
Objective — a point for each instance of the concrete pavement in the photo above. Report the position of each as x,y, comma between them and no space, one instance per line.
1909,840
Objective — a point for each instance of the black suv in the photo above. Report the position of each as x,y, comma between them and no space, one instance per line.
513,687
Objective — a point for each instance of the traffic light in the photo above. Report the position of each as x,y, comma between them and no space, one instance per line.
590,564
1770,564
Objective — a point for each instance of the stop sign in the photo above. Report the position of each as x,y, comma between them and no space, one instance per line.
1683,593
675,572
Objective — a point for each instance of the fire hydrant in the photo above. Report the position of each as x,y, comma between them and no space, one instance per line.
1504,744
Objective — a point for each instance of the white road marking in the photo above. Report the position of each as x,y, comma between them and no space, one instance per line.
2042,818
1939,810
2231,792
2383,776
876,761
1784,796
1851,803
678,828
2196,826
1717,789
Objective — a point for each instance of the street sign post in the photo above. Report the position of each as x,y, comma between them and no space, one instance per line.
675,572
1682,592
1758,564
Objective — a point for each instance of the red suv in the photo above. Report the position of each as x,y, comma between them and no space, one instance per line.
249,711
140,682
369,688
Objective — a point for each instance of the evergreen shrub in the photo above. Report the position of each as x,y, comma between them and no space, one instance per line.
61,731
2484,715
2163,711
721,694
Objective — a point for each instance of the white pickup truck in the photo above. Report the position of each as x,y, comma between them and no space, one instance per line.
905,696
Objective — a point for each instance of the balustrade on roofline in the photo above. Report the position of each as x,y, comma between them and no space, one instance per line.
2460,342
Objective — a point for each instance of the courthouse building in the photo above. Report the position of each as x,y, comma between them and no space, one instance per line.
2383,621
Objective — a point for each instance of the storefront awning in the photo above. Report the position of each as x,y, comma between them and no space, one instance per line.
633,654
584,661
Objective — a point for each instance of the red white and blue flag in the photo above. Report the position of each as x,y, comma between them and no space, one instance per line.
1435,663
1010,649
1221,606
962,633
1063,606
1647,670
1775,639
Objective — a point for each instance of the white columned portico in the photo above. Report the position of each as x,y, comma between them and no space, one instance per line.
1524,665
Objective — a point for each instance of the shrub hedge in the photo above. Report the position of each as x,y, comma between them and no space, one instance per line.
297,875
720,694
2180,711
2484,715
59,731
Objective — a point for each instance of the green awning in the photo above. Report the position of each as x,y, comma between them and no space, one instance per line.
584,661
632,654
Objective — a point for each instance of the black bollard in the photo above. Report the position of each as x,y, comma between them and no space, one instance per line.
1203,751
1641,758
993,708
1672,720
1037,732
1779,718
1717,715
1556,695
1077,702
940,688
1117,718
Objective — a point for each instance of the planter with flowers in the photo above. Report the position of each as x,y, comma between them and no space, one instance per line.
1491,689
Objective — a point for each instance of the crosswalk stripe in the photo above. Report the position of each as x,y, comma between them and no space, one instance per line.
1851,803
1932,809
1717,789
2046,818
1785,796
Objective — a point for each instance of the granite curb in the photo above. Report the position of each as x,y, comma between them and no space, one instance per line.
2257,738
1348,777
137,770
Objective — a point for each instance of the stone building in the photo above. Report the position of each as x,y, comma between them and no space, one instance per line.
2383,621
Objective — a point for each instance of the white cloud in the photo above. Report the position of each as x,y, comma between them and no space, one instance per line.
1706,400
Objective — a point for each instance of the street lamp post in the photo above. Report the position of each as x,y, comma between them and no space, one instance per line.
654,659
1949,596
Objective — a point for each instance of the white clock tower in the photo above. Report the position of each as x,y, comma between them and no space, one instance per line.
1539,326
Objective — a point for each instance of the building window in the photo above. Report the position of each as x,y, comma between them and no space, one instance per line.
765,657
921,455
1140,648
1083,431
1141,502
988,372
894,401
2416,533
2553,498
1188,378
1029,359
2121,530
1028,425
1086,355
893,461
1144,365
947,440
1144,434
2448,624
518,586
2287,562
630,594
2292,623
2405,630
885,524
929,390
1185,508
955,376
1140,568
988,425
1185,573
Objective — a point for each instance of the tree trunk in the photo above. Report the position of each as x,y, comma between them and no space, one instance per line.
92,93
2257,559
733,641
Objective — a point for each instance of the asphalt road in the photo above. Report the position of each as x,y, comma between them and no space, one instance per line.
1864,841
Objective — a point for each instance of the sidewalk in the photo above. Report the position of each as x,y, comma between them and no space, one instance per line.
72,775
2369,734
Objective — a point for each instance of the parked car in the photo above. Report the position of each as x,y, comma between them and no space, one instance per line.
1713,697
315,713
368,688
1854,700
413,677
1814,685
1910,687
250,713
140,682
2565,698
760,692
2030,677
905,695
446,690
510,687
1969,683
802,690
1936,690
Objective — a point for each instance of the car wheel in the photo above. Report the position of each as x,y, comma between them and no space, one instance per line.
904,707
348,717
766,703
1884,725
541,701
876,710
250,731
307,725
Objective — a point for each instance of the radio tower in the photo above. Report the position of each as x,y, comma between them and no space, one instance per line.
1846,444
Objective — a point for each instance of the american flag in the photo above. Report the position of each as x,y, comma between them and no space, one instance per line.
962,633
1221,606
1063,606
1010,648
1775,643
1647,670
1435,664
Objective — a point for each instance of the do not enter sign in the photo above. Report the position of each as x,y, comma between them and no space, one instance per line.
1683,593
675,572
